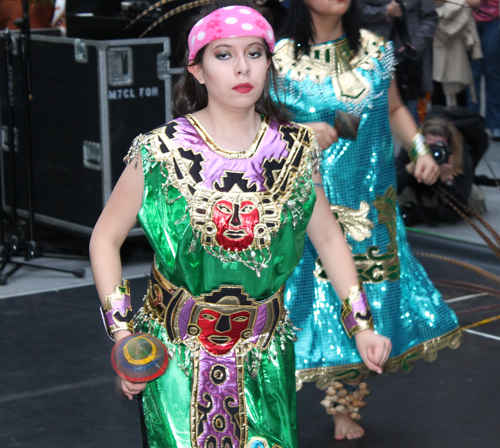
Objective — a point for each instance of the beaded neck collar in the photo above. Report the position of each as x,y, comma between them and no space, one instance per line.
336,52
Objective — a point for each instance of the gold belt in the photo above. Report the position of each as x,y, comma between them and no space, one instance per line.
184,315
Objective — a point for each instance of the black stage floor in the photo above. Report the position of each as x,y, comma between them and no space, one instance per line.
58,385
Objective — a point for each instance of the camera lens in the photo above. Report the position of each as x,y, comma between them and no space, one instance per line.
440,152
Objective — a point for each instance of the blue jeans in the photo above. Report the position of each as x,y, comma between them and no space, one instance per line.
412,106
489,67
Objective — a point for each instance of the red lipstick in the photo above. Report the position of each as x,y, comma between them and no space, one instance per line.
243,88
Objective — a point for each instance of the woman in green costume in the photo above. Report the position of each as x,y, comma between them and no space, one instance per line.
225,195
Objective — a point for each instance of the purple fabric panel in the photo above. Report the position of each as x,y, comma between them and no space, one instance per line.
215,164
118,305
218,394
184,316
350,322
260,323
360,305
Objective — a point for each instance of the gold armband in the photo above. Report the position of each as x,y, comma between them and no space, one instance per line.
117,312
418,147
356,314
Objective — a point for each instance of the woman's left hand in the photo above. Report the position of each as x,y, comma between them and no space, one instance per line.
426,169
373,348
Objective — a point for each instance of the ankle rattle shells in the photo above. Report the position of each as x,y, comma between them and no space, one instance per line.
342,398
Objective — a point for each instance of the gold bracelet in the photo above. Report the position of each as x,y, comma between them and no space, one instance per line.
418,147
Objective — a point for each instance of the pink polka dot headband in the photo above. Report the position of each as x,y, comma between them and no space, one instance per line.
230,21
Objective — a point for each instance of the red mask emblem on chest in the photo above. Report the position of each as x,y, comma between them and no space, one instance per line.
220,332
235,224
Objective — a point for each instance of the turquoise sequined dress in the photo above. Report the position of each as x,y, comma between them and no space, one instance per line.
360,182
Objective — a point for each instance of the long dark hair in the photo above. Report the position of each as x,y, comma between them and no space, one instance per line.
299,26
190,96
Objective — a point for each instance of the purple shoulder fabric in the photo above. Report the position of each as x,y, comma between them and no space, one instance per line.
216,164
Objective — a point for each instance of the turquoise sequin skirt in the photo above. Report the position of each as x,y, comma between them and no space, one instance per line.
409,310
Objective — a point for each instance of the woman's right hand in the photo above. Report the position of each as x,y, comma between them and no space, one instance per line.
373,348
126,387
129,389
326,134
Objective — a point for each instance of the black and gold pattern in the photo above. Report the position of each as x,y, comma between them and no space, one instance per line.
232,196
218,374
188,322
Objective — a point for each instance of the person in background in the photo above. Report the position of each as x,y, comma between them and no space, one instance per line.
456,43
40,11
487,21
338,79
420,203
421,19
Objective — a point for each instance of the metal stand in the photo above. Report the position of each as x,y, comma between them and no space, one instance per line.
30,248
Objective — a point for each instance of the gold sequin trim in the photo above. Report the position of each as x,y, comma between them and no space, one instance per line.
336,60
354,222
250,152
427,351
374,266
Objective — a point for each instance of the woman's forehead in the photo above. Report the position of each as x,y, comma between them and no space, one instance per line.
236,42
435,138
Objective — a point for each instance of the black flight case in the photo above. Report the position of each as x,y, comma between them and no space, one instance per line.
90,99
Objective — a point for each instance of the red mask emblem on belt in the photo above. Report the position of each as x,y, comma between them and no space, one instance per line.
220,332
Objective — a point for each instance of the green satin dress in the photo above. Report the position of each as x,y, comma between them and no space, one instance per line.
227,229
